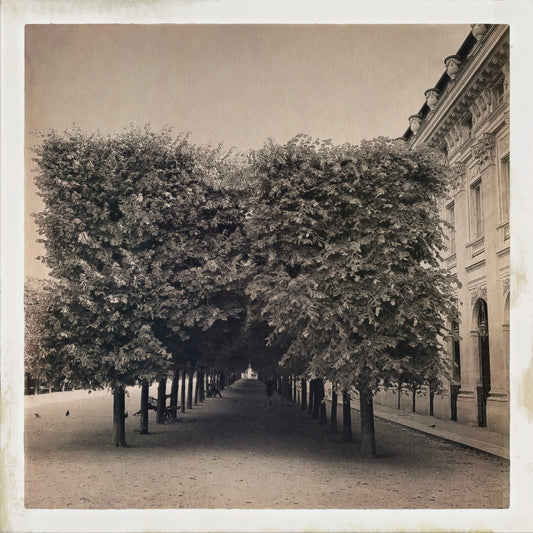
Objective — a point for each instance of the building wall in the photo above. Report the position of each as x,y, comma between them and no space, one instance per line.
467,120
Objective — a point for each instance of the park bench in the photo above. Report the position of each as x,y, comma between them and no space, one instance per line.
170,410
152,405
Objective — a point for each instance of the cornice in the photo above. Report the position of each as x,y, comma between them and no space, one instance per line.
460,94
475,266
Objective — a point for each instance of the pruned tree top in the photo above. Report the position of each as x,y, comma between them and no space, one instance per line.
346,243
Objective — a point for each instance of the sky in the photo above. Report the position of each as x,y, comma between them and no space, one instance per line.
233,84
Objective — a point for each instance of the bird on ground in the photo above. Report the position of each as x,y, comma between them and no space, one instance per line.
67,413
89,392
433,426
37,415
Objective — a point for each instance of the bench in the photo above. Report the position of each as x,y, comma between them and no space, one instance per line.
152,405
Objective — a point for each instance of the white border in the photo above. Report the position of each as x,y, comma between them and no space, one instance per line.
15,14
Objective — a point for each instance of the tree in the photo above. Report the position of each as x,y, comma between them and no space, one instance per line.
143,237
200,255
36,365
346,243
100,231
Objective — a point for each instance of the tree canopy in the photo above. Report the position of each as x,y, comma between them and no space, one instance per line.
346,243
142,236
160,250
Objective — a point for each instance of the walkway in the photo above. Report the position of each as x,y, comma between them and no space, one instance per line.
239,451
471,436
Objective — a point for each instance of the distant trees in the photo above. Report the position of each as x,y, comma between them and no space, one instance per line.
38,364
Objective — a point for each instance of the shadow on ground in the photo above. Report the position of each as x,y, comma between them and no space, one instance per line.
239,451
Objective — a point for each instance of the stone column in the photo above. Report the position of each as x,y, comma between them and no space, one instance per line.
466,400
484,152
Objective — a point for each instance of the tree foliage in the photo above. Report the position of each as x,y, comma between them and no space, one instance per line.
346,243
97,240
324,258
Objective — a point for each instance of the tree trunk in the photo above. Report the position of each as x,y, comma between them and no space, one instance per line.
399,395
161,401
431,399
413,406
183,376
190,389
174,393
197,387
200,384
143,423
304,394
317,398
323,418
368,435
346,417
311,395
294,389
333,421
119,420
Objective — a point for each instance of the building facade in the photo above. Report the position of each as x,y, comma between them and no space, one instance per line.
465,116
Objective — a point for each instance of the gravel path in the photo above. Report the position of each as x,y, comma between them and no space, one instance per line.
240,452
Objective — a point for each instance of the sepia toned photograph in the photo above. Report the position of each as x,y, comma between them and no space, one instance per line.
266,267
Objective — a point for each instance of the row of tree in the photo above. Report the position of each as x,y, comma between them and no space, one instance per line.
322,259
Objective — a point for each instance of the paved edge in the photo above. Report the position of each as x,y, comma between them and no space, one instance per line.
470,442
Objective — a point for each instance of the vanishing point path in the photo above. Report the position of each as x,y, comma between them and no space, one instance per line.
239,452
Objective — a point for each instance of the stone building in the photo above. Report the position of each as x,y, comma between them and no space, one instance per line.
465,116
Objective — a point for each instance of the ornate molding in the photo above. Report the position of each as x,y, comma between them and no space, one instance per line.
507,116
432,98
479,31
414,123
504,145
453,64
506,287
487,61
459,175
484,150
477,293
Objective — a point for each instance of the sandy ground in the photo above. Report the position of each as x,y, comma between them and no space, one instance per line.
240,452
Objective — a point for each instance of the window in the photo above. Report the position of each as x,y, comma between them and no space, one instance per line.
450,228
504,188
476,210
456,354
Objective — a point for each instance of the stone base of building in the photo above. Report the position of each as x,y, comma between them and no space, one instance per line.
498,412
467,408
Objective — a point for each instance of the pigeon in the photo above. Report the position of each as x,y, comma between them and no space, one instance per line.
37,415
67,413
433,426
89,392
